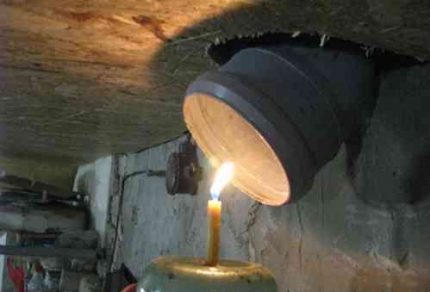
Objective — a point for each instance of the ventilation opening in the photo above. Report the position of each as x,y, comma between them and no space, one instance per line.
223,135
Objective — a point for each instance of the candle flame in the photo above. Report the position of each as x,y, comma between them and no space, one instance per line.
222,177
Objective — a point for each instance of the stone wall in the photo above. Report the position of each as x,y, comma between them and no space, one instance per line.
362,227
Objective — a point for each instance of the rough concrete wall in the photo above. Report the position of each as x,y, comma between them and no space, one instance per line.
58,173
42,218
339,237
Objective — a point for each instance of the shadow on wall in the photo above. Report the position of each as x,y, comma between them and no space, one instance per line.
418,184
393,167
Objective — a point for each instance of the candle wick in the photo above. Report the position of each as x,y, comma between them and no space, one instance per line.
215,196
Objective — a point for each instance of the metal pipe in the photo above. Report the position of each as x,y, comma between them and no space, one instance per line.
48,252
280,113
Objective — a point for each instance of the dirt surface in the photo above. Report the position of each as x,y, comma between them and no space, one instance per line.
80,79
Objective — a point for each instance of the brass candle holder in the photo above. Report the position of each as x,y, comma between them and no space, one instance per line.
175,274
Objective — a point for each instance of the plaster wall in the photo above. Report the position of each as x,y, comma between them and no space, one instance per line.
96,180
362,227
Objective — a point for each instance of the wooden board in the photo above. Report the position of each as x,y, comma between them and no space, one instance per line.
81,79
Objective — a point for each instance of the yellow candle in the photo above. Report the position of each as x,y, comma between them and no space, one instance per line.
222,177
214,224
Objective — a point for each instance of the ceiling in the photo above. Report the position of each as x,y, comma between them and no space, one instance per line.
82,79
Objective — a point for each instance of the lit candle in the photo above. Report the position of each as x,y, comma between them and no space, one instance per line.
222,177
214,224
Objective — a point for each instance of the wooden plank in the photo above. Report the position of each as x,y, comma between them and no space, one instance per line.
81,79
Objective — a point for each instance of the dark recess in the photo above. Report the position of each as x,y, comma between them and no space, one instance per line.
384,60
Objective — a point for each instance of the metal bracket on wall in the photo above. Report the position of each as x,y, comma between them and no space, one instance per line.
183,170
